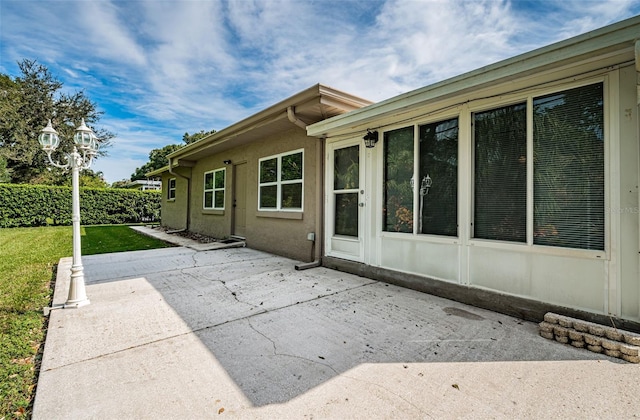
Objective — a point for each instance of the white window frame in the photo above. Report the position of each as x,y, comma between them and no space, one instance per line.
171,191
279,183
213,190
528,97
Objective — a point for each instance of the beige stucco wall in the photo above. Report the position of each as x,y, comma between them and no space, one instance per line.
264,231
173,213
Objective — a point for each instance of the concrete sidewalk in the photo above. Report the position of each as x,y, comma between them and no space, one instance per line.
177,333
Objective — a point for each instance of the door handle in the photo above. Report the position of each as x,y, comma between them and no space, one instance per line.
361,204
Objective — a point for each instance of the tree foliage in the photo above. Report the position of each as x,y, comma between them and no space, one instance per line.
158,157
26,103
157,160
192,138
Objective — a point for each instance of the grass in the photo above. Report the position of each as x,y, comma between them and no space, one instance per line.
29,257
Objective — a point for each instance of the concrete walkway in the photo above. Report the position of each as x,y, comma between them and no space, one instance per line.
178,333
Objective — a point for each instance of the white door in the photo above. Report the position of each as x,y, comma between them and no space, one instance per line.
345,201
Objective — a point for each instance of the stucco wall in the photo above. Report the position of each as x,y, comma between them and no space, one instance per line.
268,231
173,213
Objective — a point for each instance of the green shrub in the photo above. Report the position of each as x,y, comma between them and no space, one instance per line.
40,205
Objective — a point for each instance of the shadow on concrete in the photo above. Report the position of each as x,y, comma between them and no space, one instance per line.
279,333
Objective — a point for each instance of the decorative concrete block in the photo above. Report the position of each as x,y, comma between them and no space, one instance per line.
581,326
565,321
551,318
576,336
560,331
595,349
629,350
613,334
592,340
546,327
547,334
613,353
596,330
610,345
579,344
631,338
562,339
631,359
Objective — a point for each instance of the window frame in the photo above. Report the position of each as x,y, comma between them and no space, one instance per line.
171,191
415,234
279,183
528,97
214,189
466,170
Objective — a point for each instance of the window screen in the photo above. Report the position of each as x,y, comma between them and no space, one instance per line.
500,182
569,168
439,163
398,174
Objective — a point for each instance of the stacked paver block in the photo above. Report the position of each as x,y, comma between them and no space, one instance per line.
593,337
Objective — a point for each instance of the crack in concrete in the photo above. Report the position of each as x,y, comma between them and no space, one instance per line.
201,329
275,350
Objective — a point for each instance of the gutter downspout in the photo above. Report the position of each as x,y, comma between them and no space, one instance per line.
317,240
188,221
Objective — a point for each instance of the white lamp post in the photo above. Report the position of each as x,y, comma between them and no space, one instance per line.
87,142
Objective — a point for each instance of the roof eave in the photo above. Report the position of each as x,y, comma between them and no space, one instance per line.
325,93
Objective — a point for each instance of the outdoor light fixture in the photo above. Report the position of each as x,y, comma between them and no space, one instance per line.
370,139
227,162
87,142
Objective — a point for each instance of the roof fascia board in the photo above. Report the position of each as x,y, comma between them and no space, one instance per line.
273,113
159,171
617,36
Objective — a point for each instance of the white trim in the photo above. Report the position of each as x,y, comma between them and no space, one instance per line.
213,190
278,183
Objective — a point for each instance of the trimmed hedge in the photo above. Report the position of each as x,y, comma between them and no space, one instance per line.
40,205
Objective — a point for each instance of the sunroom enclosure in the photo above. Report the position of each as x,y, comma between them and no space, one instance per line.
519,179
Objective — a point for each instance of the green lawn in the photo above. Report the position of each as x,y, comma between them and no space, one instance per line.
28,259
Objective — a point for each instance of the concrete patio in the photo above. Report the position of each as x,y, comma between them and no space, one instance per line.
181,333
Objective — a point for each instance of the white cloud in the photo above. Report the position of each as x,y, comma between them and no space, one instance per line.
162,68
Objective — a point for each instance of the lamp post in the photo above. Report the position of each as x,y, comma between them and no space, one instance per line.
87,142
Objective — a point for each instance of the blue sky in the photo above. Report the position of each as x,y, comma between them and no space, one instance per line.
160,68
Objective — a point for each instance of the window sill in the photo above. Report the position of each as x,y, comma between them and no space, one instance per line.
292,215
540,249
171,200
213,212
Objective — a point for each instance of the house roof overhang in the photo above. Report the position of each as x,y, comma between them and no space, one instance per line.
608,46
310,105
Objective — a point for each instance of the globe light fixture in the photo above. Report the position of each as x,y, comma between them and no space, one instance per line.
87,142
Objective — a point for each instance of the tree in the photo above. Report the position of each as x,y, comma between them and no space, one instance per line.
157,160
26,103
192,138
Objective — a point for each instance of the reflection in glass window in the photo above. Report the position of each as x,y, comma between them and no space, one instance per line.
568,147
439,167
281,182
346,182
500,200
398,174
214,188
